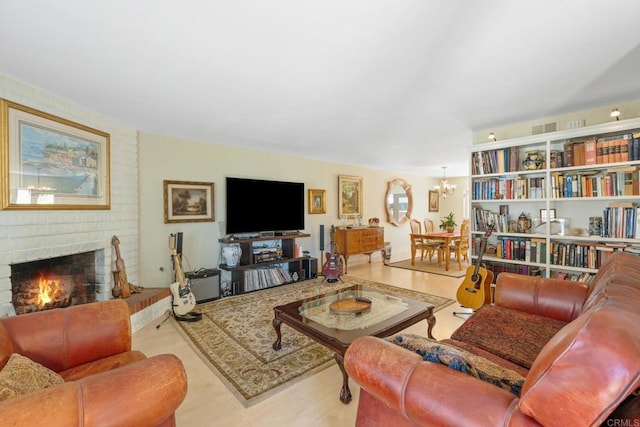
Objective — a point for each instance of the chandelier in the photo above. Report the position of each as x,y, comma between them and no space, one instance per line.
445,189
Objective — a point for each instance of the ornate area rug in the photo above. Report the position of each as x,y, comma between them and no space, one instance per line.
425,267
235,336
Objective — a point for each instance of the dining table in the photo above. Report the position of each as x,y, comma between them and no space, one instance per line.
445,236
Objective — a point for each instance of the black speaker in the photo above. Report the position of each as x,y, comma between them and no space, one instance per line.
321,237
177,242
310,267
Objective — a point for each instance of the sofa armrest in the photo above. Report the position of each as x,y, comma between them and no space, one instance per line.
557,299
64,338
145,393
423,393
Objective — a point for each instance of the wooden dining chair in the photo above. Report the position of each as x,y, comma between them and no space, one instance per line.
418,242
459,247
433,245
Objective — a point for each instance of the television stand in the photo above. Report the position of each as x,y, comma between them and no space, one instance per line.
258,270
287,233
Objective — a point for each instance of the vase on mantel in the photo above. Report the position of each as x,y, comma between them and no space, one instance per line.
533,160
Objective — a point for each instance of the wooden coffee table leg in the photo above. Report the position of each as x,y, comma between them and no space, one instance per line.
431,320
276,325
345,393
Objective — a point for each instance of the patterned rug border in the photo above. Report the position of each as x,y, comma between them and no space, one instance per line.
453,272
213,333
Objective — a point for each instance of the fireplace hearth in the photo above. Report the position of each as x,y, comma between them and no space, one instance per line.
53,282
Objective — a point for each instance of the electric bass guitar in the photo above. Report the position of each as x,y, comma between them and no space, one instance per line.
183,299
333,266
475,290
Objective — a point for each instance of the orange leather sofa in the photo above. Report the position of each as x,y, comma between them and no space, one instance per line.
585,372
106,383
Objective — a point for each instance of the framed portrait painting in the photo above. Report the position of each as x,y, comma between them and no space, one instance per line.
434,201
317,201
51,163
186,201
349,196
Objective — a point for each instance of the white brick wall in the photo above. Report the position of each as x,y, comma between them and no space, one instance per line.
32,235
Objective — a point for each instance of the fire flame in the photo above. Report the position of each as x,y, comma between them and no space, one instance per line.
50,289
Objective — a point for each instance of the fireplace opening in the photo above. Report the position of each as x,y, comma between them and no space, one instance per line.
53,282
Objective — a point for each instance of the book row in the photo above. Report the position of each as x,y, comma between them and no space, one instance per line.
561,253
509,188
499,267
502,222
586,255
622,181
620,220
595,151
495,161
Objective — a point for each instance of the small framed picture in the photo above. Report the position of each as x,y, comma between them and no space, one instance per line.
434,201
547,214
186,201
317,201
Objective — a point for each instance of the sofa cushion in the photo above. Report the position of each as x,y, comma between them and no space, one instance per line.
589,367
21,376
513,335
460,360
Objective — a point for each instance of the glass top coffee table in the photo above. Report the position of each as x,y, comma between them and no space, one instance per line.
337,318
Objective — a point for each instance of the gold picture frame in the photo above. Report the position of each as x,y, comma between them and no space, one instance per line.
434,201
349,196
317,201
50,163
187,201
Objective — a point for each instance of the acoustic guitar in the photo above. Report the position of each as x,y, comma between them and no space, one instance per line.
121,272
475,290
333,266
183,299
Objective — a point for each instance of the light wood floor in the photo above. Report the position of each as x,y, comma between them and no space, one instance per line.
310,402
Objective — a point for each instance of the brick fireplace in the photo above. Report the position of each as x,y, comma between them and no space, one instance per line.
39,234
54,282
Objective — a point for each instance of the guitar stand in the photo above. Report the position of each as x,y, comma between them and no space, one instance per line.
192,316
332,280
456,313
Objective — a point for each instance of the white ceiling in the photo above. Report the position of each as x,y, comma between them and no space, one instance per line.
393,84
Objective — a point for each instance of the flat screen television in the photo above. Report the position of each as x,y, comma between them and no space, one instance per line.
255,205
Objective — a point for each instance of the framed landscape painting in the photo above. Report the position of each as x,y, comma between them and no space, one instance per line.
349,196
51,163
186,201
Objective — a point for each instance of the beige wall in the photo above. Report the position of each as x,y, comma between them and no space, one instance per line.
162,157
593,116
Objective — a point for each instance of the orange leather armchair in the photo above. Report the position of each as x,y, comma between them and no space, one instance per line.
106,382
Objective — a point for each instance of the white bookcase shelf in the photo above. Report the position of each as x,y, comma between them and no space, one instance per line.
586,173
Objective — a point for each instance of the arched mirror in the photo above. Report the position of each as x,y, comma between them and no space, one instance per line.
398,201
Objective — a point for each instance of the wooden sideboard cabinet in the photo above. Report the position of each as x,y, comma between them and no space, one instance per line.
353,241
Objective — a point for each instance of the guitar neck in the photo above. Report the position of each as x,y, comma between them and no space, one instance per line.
483,246
178,266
